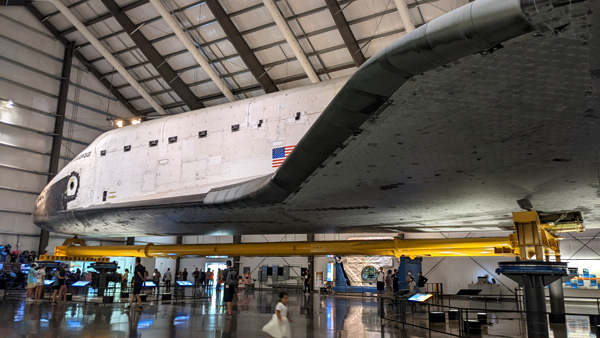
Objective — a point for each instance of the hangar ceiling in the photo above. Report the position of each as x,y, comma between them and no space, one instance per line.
243,45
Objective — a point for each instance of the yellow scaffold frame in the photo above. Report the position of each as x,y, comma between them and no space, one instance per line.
532,238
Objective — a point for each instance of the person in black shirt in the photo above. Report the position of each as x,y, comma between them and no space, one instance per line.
139,276
60,286
421,282
229,287
307,281
196,275
396,281
184,274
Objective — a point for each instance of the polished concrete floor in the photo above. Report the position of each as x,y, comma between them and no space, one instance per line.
313,315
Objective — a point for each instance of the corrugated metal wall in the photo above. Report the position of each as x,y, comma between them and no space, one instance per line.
30,69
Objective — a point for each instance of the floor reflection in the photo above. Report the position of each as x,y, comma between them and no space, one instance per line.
313,315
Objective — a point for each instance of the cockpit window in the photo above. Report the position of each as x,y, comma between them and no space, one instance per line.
127,148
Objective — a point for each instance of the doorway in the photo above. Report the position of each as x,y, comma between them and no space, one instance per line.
214,267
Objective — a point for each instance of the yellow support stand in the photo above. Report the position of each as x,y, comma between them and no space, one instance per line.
536,240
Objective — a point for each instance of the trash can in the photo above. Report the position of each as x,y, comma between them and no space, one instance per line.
437,317
452,314
482,317
472,326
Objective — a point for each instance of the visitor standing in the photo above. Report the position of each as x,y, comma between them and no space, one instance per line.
40,276
60,287
124,280
139,276
31,283
389,289
380,281
196,275
167,277
307,281
421,282
230,278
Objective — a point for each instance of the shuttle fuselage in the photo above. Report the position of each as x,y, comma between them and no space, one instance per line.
180,157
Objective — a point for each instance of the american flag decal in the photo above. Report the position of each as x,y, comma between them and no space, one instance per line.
280,154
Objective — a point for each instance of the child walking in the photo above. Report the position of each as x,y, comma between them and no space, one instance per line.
279,325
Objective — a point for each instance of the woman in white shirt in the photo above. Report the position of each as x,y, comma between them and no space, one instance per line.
279,325
40,275
380,281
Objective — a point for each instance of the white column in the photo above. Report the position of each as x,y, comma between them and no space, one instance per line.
191,47
291,40
402,7
107,55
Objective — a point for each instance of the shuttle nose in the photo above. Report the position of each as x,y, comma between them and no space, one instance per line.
54,198
43,209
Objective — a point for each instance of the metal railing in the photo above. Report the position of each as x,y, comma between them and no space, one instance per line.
114,293
459,321
437,289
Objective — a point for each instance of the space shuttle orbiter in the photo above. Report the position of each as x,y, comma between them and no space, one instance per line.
442,130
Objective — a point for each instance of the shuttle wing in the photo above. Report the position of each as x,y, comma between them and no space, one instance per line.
467,47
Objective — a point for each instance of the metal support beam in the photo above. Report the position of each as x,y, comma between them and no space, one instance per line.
241,46
107,55
107,16
557,302
178,241
346,33
42,18
311,261
14,2
61,109
192,48
402,7
291,40
237,239
158,62
59,123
